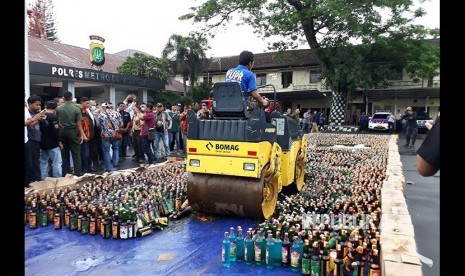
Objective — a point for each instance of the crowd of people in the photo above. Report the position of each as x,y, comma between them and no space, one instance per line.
86,136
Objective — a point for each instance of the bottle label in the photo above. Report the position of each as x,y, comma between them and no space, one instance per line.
295,258
67,220
267,256
57,222
123,232
222,254
245,254
306,266
115,231
102,229
284,256
375,272
258,253
32,220
233,249
92,227
315,268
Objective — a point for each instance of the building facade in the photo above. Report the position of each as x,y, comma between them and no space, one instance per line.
55,68
296,76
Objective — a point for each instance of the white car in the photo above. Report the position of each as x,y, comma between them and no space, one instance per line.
379,121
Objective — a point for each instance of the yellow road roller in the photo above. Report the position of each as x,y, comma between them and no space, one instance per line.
240,160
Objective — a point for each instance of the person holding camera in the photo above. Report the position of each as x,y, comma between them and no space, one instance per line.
410,118
204,112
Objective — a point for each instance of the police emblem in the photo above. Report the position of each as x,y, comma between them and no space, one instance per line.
97,51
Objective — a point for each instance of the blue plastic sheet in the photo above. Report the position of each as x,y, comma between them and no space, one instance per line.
194,245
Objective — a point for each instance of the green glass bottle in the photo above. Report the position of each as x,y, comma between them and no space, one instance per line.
306,261
84,226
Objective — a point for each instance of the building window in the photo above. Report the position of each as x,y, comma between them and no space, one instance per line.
315,76
261,79
207,79
286,79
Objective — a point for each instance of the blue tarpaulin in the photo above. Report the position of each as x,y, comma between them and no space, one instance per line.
194,245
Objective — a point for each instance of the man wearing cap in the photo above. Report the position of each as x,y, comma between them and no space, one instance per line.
243,75
410,117
204,112
49,144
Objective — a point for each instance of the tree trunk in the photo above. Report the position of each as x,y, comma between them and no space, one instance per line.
338,108
185,86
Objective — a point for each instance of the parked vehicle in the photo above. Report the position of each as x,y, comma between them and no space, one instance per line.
379,121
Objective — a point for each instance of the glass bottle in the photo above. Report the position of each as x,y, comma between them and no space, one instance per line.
226,251
286,251
233,240
277,251
57,221
269,251
306,259
84,225
315,260
295,255
248,249
239,245
258,249
375,269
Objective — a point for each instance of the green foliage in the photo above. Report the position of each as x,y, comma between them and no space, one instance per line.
332,28
202,92
144,66
187,54
164,97
169,97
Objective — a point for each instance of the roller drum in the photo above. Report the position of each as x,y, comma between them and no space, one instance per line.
228,195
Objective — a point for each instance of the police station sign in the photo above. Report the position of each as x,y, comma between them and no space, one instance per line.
89,75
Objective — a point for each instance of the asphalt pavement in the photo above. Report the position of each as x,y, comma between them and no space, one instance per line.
422,199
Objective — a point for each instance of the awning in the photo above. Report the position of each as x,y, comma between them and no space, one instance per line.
419,93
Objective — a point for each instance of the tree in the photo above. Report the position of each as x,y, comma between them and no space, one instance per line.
42,20
50,30
144,66
188,54
202,92
346,36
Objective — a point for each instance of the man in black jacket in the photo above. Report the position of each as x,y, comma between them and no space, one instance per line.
410,117
50,145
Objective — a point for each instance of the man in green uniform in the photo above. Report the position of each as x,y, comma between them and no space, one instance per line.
71,133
